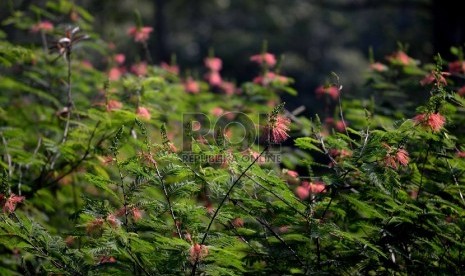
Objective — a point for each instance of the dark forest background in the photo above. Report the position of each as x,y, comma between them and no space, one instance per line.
313,37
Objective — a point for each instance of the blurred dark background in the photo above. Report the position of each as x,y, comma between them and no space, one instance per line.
314,37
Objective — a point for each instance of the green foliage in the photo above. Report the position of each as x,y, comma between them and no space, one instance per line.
109,186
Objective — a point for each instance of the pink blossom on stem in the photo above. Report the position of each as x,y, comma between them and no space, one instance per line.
217,111
140,34
114,105
317,187
115,73
378,67
45,26
95,226
434,121
213,64
11,202
136,213
402,157
302,191
191,86
143,113
270,77
113,221
139,69
400,57
197,252
228,87
434,78
457,66
264,58
107,259
120,58
277,128
173,69
332,91
214,78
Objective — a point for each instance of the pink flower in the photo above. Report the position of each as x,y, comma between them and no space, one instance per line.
340,126
173,69
293,174
120,58
317,187
402,157
95,226
461,154
11,202
400,57
270,77
228,87
336,153
431,77
197,252
457,66
237,222
107,259
214,78
303,191
136,213
378,67
113,221
435,121
277,128
191,86
265,58
140,34
143,113
45,26
213,64
217,111
139,69
332,91
114,105
115,73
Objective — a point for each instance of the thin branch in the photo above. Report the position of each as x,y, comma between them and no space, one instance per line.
79,162
69,104
8,157
277,196
265,224
170,206
194,267
455,180
228,193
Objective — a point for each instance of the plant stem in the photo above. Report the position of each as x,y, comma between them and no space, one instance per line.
223,201
69,104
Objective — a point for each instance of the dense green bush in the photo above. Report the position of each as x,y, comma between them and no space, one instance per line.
104,170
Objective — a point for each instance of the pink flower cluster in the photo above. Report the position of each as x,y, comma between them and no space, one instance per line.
331,91
266,59
140,34
9,204
197,252
434,121
309,188
276,130
45,26
396,158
